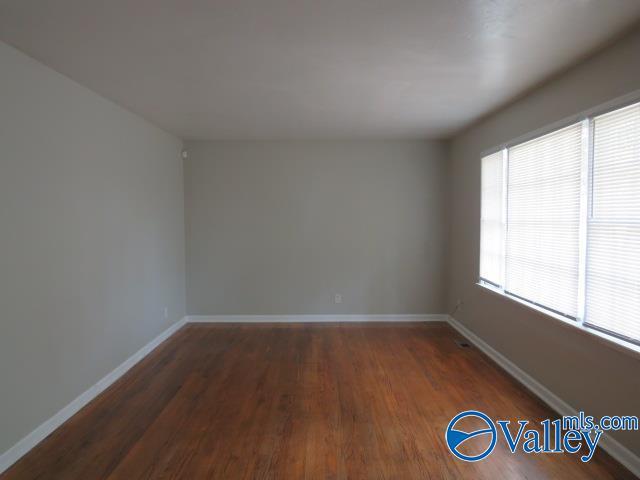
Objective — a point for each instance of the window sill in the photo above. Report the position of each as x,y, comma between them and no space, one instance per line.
608,340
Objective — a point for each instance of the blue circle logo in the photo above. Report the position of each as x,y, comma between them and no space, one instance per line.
455,438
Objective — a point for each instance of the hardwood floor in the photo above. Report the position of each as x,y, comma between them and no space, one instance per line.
293,401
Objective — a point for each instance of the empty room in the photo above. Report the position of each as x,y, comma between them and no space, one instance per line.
320,239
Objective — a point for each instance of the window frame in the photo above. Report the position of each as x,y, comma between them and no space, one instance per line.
585,118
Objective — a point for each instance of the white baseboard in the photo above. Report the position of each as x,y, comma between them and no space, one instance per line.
12,455
614,448
609,444
315,318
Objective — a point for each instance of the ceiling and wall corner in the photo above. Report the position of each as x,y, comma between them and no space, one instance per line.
276,69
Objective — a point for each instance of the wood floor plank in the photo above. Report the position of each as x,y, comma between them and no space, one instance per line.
296,401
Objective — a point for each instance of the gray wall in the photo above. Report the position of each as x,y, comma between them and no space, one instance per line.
91,240
585,372
280,227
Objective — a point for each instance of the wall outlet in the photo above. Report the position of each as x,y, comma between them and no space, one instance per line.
458,307
337,298
166,313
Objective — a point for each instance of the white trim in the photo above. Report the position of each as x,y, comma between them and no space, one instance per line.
315,318
12,455
609,444
23,446
614,448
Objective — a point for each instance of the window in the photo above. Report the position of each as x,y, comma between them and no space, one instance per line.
543,208
613,240
560,222
492,221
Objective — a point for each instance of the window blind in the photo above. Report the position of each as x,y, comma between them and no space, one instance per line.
560,220
543,220
491,220
613,229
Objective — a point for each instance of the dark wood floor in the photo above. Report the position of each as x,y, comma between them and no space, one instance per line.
315,401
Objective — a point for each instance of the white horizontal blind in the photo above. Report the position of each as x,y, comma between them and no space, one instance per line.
543,220
613,239
491,221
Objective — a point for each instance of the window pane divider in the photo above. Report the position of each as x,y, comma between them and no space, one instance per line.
585,188
505,210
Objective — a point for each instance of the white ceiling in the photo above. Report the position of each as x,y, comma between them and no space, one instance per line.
267,69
